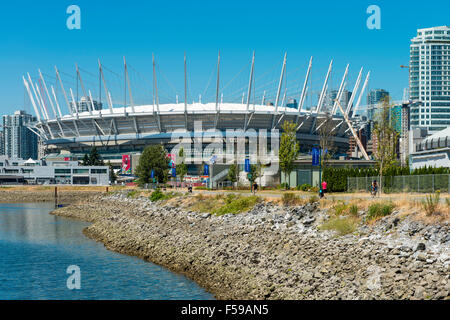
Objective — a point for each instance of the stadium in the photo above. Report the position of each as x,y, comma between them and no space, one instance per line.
125,130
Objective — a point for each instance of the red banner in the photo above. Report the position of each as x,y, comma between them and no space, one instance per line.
126,164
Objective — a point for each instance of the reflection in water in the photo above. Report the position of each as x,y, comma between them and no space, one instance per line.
36,249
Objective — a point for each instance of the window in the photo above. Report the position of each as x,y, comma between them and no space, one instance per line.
81,171
62,171
98,171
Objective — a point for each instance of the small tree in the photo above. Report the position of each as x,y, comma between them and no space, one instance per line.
289,148
86,161
182,167
153,158
386,140
255,173
233,173
94,158
326,134
112,174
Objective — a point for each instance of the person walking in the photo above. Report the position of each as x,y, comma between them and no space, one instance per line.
374,188
255,188
324,187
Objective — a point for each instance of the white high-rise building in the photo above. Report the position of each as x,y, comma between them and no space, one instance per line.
429,79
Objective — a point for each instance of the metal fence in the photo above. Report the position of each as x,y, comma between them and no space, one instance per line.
414,183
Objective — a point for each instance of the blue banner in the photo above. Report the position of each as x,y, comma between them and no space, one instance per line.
247,165
315,156
206,170
174,172
152,174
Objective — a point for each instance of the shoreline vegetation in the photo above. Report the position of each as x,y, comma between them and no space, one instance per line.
251,248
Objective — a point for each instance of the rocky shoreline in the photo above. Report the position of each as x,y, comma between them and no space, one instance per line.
274,252
48,195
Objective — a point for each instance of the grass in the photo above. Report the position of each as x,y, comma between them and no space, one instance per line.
431,204
236,204
220,205
291,199
342,225
133,194
379,210
158,195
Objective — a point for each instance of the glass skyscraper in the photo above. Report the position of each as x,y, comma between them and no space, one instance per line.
18,140
429,78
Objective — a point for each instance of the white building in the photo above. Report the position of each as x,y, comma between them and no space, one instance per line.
429,78
433,151
16,170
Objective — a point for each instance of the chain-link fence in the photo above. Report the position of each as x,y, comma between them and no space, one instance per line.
415,183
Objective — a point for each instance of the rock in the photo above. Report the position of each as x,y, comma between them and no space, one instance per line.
421,247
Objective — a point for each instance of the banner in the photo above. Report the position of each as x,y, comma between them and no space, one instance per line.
126,164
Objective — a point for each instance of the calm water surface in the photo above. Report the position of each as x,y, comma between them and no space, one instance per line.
36,248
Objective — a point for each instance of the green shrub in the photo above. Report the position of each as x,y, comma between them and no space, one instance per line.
133,194
353,210
304,187
431,203
340,209
379,210
341,225
237,204
157,195
290,199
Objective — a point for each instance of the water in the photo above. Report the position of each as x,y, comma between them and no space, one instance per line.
36,249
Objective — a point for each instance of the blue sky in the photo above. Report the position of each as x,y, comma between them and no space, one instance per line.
34,35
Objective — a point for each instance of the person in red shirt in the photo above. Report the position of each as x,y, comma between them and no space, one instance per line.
324,187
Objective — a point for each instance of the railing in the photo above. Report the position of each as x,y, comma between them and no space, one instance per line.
413,183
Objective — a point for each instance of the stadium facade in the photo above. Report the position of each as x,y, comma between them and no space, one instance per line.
119,131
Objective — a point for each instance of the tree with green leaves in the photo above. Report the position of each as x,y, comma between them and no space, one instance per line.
386,140
94,158
255,173
289,148
233,173
181,167
85,161
154,158
112,174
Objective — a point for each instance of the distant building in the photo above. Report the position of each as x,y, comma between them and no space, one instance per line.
84,105
332,96
2,144
20,171
19,141
431,151
292,103
374,98
429,78
404,134
396,118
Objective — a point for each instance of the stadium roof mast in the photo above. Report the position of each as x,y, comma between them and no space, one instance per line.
48,95
36,97
63,90
362,93
304,91
249,93
216,121
360,145
279,91
90,105
321,97
44,110
155,87
127,79
185,93
52,105
27,86
341,89
108,95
